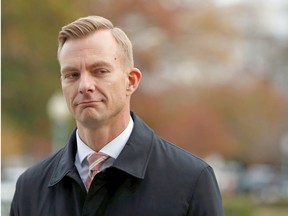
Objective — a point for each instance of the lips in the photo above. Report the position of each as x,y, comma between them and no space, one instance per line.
87,101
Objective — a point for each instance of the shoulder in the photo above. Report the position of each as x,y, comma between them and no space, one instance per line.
177,153
40,170
164,153
143,133
182,169
178,158
33,183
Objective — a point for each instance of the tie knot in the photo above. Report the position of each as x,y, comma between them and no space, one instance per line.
95,160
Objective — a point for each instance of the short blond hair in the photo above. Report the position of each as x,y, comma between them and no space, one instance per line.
87,25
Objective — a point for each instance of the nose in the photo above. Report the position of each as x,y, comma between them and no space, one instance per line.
86,84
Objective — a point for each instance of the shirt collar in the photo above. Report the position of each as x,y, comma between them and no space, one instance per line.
112,149
133,159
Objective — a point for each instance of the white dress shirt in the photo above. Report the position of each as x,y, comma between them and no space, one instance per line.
112,149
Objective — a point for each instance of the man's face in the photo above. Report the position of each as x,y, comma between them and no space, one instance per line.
94,81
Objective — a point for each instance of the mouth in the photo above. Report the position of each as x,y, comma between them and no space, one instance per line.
87,103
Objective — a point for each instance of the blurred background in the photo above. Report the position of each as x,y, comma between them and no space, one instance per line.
215,83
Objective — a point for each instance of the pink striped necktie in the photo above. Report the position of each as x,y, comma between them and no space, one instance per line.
95,161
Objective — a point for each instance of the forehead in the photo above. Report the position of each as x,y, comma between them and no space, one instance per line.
100,43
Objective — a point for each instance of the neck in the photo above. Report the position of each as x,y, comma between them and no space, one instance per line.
97,137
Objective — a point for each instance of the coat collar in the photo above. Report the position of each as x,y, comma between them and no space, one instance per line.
65,163
133,159
135,156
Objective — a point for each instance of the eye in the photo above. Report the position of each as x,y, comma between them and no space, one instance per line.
100,71
71,75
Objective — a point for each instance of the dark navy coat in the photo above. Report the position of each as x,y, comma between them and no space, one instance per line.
151,177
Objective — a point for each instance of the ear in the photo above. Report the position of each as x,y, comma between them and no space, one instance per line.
134,78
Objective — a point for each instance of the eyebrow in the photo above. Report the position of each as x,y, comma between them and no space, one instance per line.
67,69
97,64
100,64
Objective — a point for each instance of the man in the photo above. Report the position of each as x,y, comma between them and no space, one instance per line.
138,173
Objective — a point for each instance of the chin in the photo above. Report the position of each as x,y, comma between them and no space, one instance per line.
91,119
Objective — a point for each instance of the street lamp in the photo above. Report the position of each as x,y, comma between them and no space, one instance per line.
59,115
